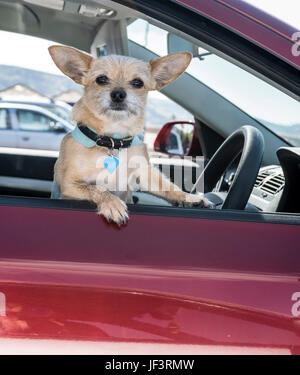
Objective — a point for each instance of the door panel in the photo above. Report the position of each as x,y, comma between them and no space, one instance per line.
66,274
40,140
8,138
35,131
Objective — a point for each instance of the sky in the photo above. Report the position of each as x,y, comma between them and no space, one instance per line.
287,10
251,94
30,52
27,52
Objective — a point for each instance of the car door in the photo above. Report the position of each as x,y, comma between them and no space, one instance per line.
183,280
8,136
174,280
36,131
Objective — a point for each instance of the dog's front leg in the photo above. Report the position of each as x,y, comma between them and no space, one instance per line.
153,181
109,205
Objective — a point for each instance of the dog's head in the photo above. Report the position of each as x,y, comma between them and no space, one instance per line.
116,87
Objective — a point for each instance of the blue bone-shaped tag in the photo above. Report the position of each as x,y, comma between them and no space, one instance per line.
111,163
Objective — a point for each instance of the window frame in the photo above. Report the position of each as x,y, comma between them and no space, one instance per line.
8,119
31,130
151,210
211,36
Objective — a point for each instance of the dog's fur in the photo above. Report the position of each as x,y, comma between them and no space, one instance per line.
77,168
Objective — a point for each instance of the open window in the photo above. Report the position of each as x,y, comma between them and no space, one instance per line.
185,123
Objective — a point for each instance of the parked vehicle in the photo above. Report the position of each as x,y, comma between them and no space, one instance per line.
175,280
31,127
58,107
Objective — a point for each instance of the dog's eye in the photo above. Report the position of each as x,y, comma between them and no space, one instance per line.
102,80
137,83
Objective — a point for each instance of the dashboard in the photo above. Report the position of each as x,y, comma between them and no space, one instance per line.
268,188
277,188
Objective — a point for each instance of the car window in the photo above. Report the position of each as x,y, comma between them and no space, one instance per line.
39,81
59,111
34,121
268,105
4,119
159,111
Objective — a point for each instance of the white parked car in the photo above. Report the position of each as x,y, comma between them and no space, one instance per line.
32,126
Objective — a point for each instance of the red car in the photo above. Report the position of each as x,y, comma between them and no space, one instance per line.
175,280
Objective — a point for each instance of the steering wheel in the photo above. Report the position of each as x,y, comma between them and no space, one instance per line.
247,141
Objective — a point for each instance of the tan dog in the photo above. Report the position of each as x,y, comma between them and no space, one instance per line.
114,99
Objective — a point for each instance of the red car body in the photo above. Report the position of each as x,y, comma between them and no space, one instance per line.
252,23
168,282
212,284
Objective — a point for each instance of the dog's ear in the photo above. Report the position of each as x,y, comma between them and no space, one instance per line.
166,69
71,62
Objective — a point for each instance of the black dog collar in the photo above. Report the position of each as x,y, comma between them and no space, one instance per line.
104,140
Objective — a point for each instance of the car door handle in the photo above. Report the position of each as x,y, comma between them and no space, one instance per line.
25,138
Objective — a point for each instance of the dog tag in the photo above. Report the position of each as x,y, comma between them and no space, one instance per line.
111,163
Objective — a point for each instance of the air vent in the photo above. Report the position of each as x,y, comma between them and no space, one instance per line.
273,185
261,177
270,180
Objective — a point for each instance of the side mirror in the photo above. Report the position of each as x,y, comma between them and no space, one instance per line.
175,138
177,44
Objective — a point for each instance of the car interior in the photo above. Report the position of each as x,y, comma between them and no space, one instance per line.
248,164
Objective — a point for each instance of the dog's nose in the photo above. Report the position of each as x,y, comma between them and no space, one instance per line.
118,95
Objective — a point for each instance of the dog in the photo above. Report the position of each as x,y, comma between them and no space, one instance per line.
110,123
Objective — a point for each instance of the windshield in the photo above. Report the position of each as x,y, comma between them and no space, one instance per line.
268,105
60,112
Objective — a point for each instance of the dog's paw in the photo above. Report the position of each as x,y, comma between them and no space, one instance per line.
114,209
197,200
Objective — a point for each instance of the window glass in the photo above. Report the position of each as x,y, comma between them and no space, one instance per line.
180,139
268,105
149,36
4,124
34,121
60,112
160,109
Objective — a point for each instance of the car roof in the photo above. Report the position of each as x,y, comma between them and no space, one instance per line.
39,102
37,108
20,105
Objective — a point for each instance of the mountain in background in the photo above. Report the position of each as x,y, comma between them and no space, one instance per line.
160,111
290,132
157,114
44,83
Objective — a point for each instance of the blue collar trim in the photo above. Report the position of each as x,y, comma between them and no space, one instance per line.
87,142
